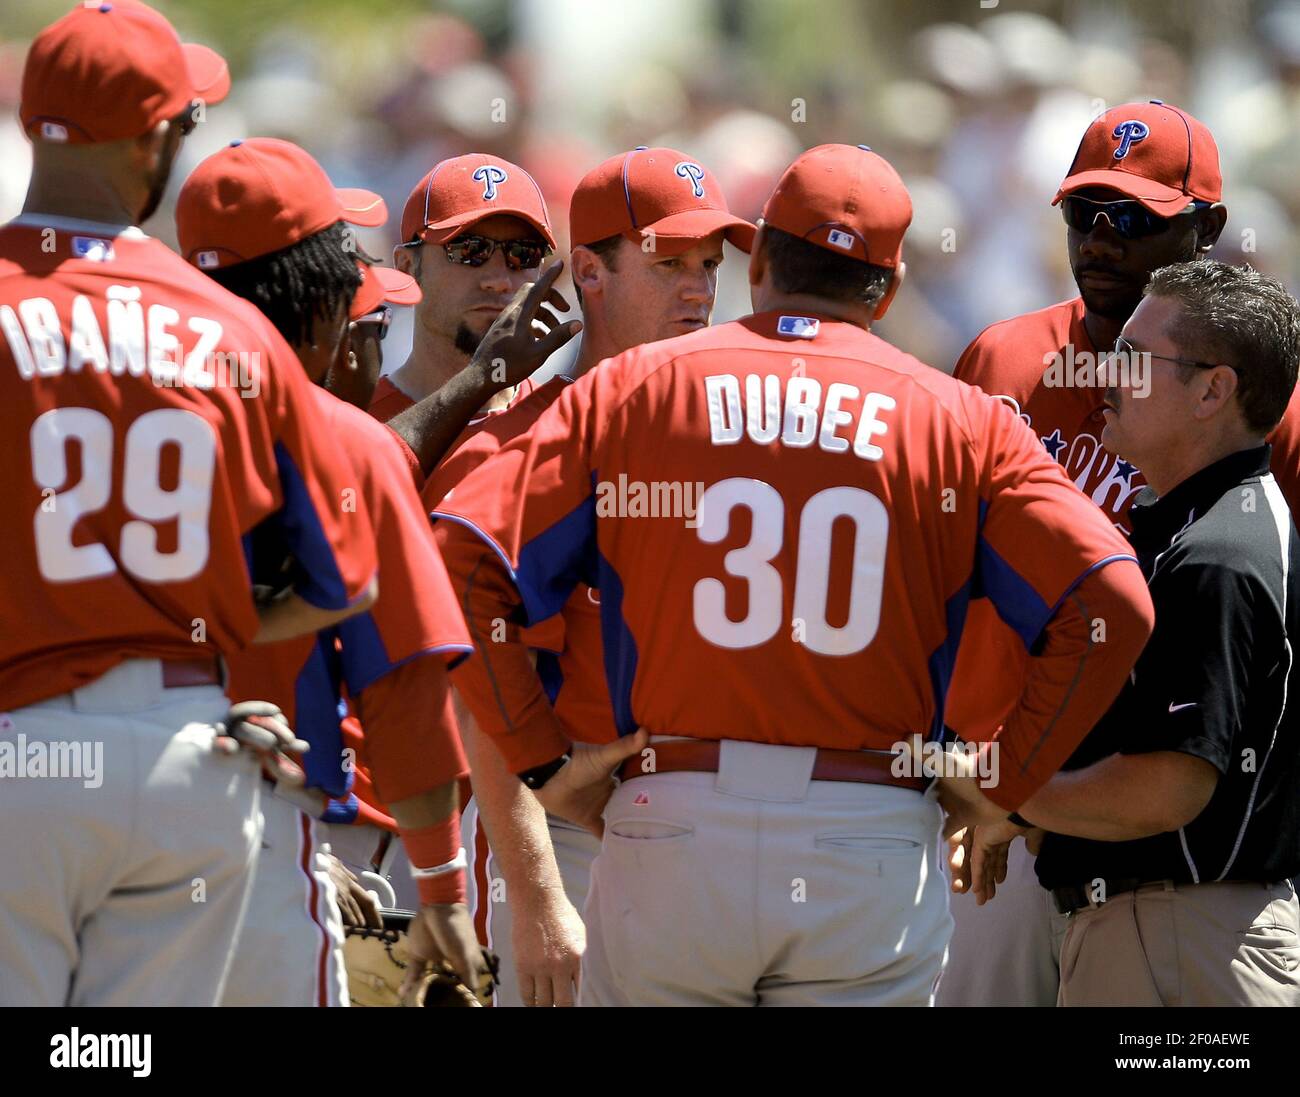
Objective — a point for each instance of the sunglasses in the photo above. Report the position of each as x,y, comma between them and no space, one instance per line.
1130,220
473,251
381,318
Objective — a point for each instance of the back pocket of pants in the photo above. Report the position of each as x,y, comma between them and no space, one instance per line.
647,830
868,843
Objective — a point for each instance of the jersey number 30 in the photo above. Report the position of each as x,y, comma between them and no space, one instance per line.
752,562
188,504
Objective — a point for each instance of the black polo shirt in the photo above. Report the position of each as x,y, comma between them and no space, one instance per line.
1217,680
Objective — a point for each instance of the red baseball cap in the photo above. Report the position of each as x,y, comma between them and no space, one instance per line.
1152,152
380,285
259,196
846,199
461,191
660,191
111,71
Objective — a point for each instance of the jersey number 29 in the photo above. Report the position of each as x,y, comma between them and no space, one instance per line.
188,504
752,562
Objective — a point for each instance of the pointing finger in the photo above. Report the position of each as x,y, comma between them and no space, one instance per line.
561,335
538,290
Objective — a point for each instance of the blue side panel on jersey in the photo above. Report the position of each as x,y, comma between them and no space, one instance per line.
364,656
341,811
321,584
548,670
317,699
1017,603
944,658
620,647
557,560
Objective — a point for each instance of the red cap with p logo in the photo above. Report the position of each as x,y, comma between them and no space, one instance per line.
657,191
1151,152
466,189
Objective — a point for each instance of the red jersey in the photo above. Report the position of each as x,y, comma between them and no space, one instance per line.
154,420
388,400
570,659
1022,361
416,614
782,503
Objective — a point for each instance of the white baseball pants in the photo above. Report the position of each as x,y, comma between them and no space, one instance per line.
759,886
290,952
126,885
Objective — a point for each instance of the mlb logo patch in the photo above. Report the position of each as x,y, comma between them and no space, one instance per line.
838,239
207,260
92,248
641,799
798,327
52,131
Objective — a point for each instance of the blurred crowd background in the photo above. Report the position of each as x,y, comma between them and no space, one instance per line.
980,105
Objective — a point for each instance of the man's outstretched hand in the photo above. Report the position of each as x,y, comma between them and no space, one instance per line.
526,334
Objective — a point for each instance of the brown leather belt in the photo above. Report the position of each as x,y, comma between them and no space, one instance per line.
190,672
701,756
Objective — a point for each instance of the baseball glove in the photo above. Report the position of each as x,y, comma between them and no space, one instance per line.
376,961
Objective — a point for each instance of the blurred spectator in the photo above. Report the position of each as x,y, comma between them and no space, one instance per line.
979,109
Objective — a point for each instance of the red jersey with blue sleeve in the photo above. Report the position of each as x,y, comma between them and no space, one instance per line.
158,428
416,615
786,518
567,647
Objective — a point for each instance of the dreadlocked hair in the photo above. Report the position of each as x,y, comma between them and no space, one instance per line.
299,284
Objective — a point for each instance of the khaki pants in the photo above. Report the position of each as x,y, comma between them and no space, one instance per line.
759,886
127,889
1008,951
1228,944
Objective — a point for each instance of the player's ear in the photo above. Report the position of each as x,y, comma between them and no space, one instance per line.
146,149
900,272
758,255
407,260
586,270
1209,226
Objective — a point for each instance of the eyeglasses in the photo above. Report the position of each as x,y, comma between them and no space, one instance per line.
381,318
1130,220
1129,351
186,122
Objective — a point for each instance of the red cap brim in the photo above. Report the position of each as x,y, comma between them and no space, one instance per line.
362,207
442,231
209,72
380,285
1159,198
679,231
399,288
